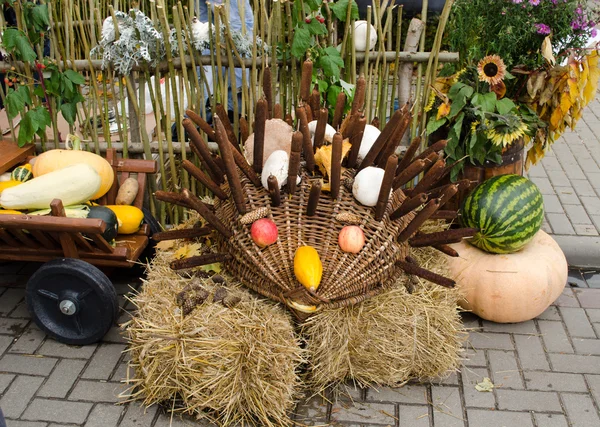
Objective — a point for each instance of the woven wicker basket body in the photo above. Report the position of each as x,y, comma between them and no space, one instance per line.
347,278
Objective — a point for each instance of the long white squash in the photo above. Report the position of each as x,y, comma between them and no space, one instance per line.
73,185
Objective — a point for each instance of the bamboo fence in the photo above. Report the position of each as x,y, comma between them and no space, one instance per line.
157,96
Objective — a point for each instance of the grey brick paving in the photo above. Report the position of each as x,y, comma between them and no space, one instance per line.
29,341
490,341
57,411
553,381
358,412
447,408
478,417
104,361
504,369
416,394
577,322
94,391
414,416
525,400
531,352
62,378
136,416
588,298
56,349
575,363
104,415
29,365
474,398
550,420
19,423
580,410
5,380
17,397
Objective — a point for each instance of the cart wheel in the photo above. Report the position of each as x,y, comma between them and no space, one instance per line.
155,227
72,301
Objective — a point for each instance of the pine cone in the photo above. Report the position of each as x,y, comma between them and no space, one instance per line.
250,217
348,182
220,294
231,301
348,218
188,306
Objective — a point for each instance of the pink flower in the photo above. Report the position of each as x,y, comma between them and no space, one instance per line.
542,29
534,2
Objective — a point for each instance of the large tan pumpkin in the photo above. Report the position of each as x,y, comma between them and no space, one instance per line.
512,287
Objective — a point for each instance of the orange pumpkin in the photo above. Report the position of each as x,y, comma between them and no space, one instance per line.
509,288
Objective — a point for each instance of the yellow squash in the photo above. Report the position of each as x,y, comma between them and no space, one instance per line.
130,218
9,212
7,184
307,267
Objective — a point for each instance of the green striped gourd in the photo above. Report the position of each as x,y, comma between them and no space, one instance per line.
507,209
21,173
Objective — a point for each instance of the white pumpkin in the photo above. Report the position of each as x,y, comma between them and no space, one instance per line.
278,165
367,184
510,288
278,136
329,132
370,135
360,36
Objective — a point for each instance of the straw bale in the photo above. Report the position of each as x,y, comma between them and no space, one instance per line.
391,338
234,361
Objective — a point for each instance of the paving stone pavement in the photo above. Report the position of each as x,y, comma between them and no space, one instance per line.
546,373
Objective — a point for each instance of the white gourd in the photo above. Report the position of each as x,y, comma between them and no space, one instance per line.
72,185
367,184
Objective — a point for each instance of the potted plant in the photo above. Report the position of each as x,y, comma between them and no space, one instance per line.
525,73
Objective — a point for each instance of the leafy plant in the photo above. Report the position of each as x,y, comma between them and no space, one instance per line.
33,96
310,42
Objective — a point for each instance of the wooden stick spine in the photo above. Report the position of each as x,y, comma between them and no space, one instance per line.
340,105
336,165
436,147
244,130
246,169
441,237
409,153
278,111
320,129
359,95
306,80
382,139
204,179
307,147
259,135
425,274
409,205
313,198
386,187
202,151
204,211
172,198
431,178
187,233
274,191
446,250
200,122
315,101
220,110
294,167
420,218
268,91
199,260
230,168
409,173
356,141
393,141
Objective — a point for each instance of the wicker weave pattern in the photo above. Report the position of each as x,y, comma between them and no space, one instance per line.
347,278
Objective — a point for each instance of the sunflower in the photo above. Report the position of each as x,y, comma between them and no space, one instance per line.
506,134
491,69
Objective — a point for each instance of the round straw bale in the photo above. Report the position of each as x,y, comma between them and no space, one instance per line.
390,338
233,359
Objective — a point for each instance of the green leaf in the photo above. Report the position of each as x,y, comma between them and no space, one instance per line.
455,89
15,41
348,89
69,111
332,94
330,62
316,28
302,41
323,85
340,9
313,4
39,92
40,17
434,124
504,105
16,100
40,118
74,76
26,130
486,101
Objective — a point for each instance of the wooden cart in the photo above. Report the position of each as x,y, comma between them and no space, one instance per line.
69,297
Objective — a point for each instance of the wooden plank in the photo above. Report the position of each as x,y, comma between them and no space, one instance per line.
137,165
139,198
82,242
111,195
8,239
23,238
119,253
52,223
66,240
134,243
11,154
45,240
102,244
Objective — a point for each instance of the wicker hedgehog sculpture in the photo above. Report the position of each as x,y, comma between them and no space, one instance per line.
329,249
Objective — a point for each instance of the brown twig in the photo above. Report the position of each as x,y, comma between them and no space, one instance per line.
382,139
438,146
268,91
201,149
430,178
359,95
446,250
356,141
445,215
386,187
172,198
409,153
306,79
320,129
340,105
414,169
393,141
222,114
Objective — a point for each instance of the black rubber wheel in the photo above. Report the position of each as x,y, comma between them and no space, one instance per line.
155,227
72,301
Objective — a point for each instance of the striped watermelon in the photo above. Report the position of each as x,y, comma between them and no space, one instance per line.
507,209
